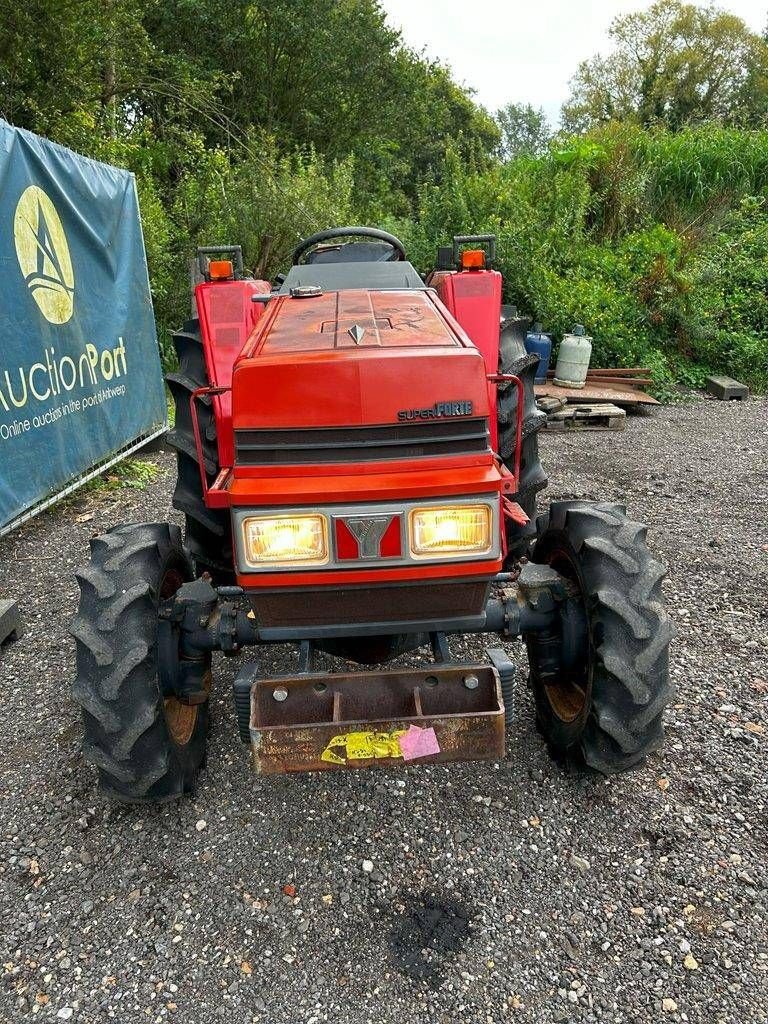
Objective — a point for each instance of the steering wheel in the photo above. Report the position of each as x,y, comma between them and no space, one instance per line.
357,232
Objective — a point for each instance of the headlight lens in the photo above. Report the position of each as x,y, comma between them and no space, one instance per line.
450,530
285,540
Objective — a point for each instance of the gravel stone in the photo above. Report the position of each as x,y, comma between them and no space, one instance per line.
580,863
480,914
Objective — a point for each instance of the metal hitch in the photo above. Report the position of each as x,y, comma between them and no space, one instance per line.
322,722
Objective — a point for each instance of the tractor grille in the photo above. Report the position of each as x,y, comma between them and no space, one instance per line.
361,444
335,606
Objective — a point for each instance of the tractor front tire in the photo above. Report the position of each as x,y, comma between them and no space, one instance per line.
208,532
147,747
603,709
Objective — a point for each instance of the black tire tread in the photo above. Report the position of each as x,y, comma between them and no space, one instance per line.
125,732
630,629
208,532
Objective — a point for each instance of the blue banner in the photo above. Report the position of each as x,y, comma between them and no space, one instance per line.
80,375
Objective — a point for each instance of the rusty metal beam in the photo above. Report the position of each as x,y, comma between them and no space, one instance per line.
326,722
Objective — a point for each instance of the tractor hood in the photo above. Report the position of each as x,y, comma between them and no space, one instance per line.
359,358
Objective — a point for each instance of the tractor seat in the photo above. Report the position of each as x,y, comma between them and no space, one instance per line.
352,252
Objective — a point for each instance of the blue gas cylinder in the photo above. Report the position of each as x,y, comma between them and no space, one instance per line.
539,344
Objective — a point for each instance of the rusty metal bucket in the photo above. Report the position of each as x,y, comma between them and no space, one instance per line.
322,722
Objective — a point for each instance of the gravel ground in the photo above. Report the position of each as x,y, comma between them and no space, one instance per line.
495,892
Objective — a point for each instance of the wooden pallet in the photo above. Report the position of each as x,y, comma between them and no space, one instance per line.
550,405
587,416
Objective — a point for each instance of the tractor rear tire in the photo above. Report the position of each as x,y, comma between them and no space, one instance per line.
603,710
514,359
208,532
147,747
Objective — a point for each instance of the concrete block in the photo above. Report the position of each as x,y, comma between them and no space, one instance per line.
726,388
10,621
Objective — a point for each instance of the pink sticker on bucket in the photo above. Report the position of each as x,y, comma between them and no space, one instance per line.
418,743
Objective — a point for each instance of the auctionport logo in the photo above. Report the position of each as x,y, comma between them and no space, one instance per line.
43,254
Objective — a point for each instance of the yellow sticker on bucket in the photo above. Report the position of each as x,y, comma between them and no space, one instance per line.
362,746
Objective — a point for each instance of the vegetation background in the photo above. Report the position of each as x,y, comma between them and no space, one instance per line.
645,216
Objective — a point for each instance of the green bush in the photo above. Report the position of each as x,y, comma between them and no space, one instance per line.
657,243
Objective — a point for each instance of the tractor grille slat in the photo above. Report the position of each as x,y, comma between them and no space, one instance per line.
296,446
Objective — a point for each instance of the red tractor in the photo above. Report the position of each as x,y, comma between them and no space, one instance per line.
358,469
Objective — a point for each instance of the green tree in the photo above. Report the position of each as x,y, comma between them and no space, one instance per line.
327,74
524,130
78,61
673,64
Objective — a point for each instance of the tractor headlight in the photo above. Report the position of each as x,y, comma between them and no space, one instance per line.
450,530
277,540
